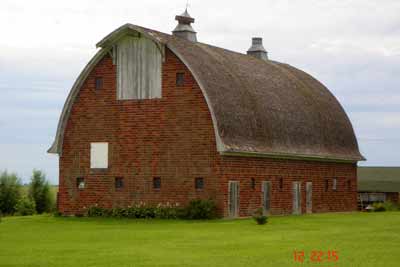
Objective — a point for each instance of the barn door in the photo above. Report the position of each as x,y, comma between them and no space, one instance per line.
233,201
309,197
296,197
266,196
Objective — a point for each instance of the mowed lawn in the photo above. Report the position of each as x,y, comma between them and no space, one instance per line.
360,239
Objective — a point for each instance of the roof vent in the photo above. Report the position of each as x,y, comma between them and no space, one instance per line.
184,29
257,49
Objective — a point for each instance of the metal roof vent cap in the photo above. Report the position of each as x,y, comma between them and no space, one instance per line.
184,29
257,49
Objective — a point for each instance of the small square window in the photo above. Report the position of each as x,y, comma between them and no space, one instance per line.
119,182
80,183
334,184
99,83
156,182
326,185
180,79
199,183
253,183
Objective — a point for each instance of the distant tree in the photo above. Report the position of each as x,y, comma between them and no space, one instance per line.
39,192
25,206
10,192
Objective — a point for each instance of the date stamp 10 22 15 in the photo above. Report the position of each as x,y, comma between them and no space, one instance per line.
316,256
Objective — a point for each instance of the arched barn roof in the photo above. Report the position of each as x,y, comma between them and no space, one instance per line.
258,107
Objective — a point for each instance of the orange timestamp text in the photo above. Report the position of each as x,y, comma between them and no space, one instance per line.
316,256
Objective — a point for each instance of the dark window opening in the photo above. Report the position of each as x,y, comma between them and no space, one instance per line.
199,183
119,182
99,83
349,185
80,183
156,182
180,79
326,185
280,184
253,183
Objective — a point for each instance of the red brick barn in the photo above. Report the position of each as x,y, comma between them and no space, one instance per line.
159,118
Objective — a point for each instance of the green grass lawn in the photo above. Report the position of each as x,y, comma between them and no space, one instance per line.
360,239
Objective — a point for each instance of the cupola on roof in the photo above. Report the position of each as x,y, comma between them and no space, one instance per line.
184,29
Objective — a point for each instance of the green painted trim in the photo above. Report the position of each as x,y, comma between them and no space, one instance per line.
290,156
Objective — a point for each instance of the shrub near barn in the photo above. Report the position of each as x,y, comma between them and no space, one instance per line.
197,209
16,199
39,192
10,192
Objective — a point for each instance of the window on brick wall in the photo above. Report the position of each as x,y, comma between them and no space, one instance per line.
253,183
98,83
326,185
98,155
80,183
349,185
180,79
199,183
280,184
119,182
334,184
156,182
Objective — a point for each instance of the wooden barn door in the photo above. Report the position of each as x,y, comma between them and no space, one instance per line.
233,200
296,197
266,196
309,197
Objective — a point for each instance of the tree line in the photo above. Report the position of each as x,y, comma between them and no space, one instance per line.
14,200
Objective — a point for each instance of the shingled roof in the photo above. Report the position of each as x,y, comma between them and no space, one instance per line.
378,179
258,107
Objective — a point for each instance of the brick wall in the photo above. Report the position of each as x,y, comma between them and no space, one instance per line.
344,198
173,138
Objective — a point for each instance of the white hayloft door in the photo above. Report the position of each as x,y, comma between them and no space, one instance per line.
139,62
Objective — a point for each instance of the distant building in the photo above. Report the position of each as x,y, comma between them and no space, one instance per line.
159,118
378,184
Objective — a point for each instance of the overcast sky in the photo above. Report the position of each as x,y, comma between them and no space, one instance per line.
353,47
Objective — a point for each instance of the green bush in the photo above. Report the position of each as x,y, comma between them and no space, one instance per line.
134,212
39,191
138,211
25,206
199,209
118,212
378,206
390,206
57,214
167,211
10,192
259,216
385,206
96,211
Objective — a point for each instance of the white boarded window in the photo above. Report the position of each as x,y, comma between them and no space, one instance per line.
98,155
139,63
